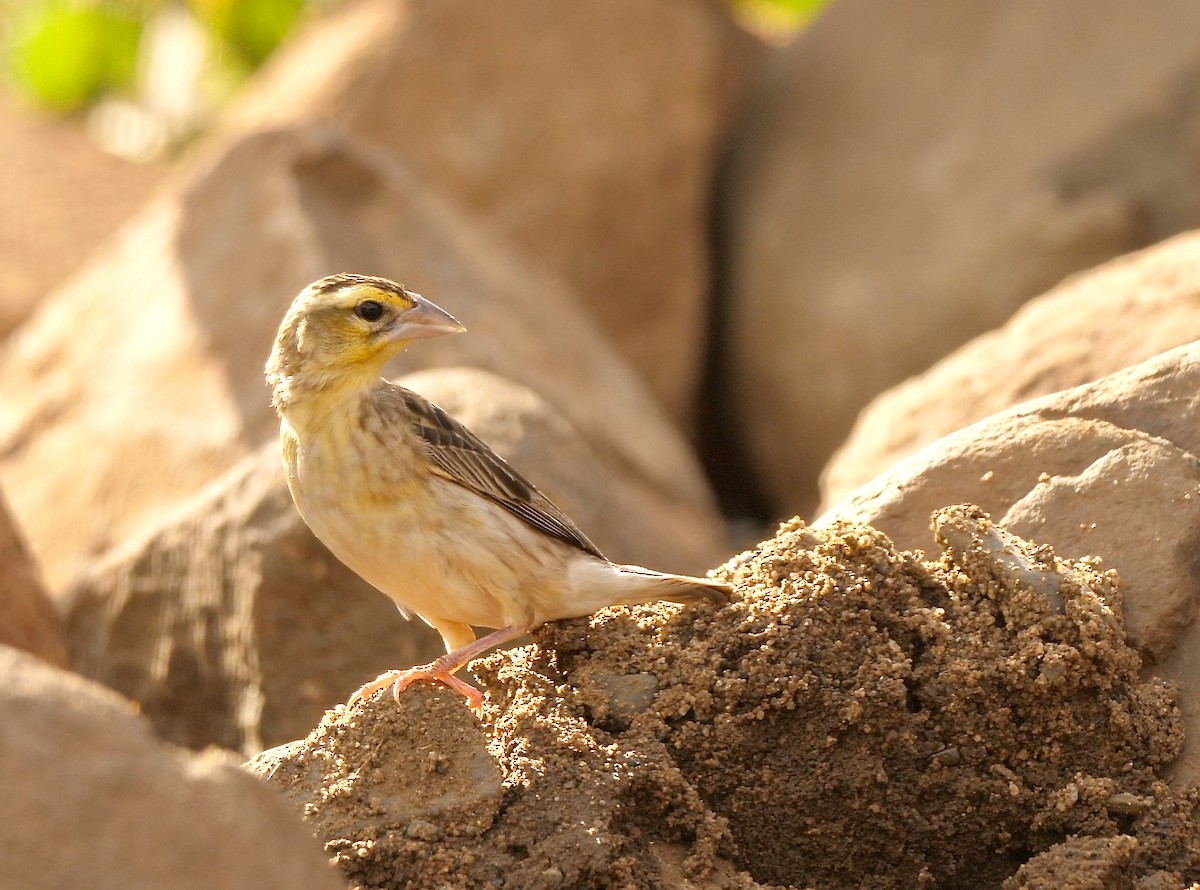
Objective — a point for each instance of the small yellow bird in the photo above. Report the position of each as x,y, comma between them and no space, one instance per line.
414,502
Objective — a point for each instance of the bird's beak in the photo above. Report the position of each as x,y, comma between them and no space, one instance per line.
423,321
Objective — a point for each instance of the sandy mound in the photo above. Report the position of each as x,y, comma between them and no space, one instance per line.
857,717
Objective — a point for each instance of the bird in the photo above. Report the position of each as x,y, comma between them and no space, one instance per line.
414,502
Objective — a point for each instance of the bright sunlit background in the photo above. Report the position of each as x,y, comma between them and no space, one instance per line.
149,73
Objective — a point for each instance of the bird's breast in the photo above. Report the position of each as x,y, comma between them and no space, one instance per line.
435,547
340,478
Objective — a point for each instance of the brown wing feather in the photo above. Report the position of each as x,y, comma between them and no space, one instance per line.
464,458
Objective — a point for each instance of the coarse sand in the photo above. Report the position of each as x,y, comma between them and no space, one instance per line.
855,717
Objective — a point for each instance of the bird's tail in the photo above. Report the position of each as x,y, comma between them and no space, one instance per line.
596,583
650,586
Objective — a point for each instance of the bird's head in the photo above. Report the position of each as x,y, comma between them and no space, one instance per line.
341,330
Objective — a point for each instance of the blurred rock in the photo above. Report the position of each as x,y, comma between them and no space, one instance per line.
1117,315
28,620
584,134
92,799
141,380
232,625
903,182
1108,469
63,197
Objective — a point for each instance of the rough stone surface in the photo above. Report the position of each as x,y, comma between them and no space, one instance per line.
855,717
232,625
1141,504
28,620
1083,863
1125,312
419,769
92,799
166,388
905,182
590,151
1108,469
63,197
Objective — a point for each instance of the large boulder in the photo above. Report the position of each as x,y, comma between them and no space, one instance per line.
141,380
583,134
1109,469
63,196
1122,313
28,619
93,799
906,179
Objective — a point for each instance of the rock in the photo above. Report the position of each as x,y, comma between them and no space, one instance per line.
1013,564
1108,469
905,182
92,799
232,625
418,769
28,620
1122,313
590,151
1081,863
166,388
1102,510
63,196
625,696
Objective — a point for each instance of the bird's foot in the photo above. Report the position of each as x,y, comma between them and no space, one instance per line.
400,680
441,671
404,679
366,690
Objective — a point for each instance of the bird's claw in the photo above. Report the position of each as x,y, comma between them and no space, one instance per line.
400,680
364,692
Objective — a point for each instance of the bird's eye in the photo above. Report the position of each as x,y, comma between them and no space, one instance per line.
369,310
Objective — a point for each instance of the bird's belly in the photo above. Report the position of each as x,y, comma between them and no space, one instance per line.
438,550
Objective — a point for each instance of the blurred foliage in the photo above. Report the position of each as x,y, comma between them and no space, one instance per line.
64,54
802,10
779,19
249,29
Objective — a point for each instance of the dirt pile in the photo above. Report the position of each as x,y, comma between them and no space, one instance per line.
857,717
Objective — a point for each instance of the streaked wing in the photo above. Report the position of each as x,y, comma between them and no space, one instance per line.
466,459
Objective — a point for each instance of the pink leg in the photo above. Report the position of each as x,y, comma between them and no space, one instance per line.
441,670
